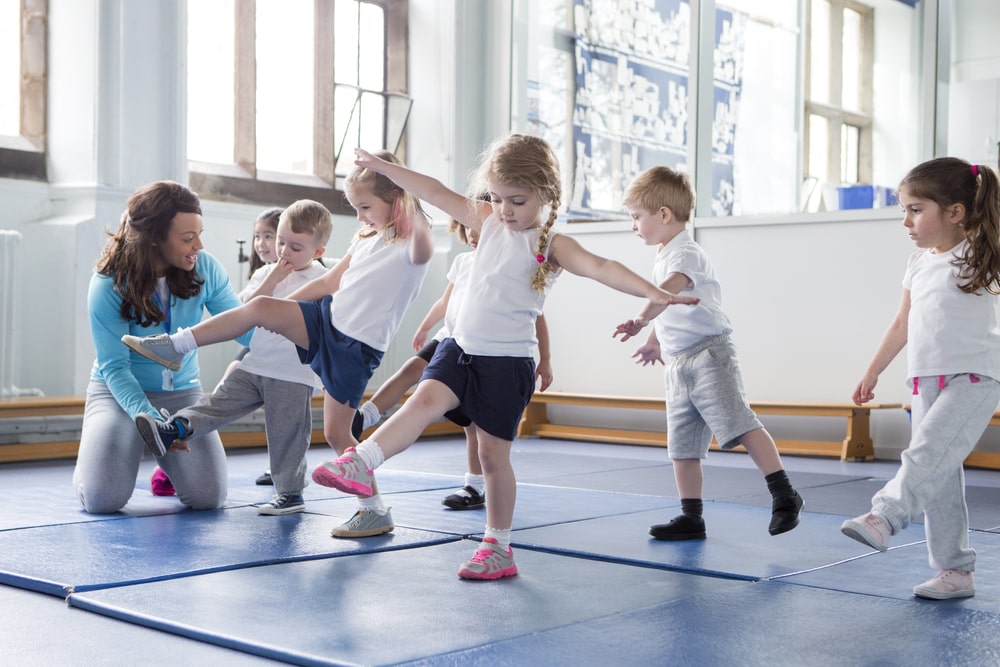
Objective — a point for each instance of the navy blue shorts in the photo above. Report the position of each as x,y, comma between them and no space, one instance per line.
455,416
493,391
344,364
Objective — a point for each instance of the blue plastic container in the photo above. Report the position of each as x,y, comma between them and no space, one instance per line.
856,196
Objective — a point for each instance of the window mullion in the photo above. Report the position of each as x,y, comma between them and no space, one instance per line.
324,149
836,88
245,139
33,72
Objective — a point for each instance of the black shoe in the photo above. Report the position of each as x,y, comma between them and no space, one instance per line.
785,513
681,527
265,479
465,499
358,425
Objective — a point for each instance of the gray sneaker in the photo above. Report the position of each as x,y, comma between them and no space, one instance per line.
282,503
159,348
364,523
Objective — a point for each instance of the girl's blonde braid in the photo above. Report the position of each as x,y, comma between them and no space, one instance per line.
541,277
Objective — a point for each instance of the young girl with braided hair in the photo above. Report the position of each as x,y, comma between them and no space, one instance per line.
947,319
485,369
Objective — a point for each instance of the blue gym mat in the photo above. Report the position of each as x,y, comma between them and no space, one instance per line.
391,607
37,625
894,573
766,623
536,506
737,546
98,554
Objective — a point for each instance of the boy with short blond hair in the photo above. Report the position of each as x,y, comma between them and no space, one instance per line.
704,385
269,375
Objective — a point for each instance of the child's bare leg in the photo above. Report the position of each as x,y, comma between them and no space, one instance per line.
392,390
762,450
431,400
786,504
472,495
281,316
688,525
472,450
501,485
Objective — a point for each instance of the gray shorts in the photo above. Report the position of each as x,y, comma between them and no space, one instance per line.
706,397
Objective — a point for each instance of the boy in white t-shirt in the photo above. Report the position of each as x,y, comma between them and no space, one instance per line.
705,393
270,374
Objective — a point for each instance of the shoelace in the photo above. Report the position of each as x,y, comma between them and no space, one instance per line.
483,554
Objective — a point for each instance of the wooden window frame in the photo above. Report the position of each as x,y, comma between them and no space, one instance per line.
242,181
24,156
837,116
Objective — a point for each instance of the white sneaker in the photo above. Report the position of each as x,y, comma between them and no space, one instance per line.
157,348
947,584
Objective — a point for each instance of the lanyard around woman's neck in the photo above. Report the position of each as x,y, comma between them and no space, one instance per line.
165,309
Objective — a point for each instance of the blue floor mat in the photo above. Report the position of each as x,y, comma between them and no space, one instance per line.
98,554
738,544
894,573
764,624
35,624
536,506
391,607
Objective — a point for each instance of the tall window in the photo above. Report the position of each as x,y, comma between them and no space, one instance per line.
23,28
838,103
280,92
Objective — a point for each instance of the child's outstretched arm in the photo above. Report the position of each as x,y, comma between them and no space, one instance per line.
428,189
324,285
570,255
674,284
893,341
544,369
434,315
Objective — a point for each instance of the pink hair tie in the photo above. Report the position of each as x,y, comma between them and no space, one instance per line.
540,258
975,171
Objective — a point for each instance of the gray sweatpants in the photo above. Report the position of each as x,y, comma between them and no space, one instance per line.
287,420
947,423
111,449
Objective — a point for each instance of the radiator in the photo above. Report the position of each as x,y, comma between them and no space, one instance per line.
10,242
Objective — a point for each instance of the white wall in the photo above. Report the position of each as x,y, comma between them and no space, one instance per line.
809,300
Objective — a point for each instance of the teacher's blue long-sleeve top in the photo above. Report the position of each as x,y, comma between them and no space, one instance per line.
129,375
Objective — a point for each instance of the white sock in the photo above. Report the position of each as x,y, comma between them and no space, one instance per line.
183,340
374,504
371,454
475,481
369,411
501,535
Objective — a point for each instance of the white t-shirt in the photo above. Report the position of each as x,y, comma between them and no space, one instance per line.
497,315
679,328
458,276
375,290
272,355
948,331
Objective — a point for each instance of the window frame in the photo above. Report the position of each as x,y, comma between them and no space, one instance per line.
834,112
24,156
242,181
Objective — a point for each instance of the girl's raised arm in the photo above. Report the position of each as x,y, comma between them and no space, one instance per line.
428,189
324,285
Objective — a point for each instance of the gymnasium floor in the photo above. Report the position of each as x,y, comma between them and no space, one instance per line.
157,585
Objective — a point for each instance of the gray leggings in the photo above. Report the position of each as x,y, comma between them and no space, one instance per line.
950,414
111,449
287,420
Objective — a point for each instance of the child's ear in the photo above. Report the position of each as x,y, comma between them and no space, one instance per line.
666,214
319,252
957,212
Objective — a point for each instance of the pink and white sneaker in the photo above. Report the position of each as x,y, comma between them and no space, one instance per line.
160,484
947,584
491,561
347,473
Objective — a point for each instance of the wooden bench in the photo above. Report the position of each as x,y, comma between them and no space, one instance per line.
38,447
857,444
